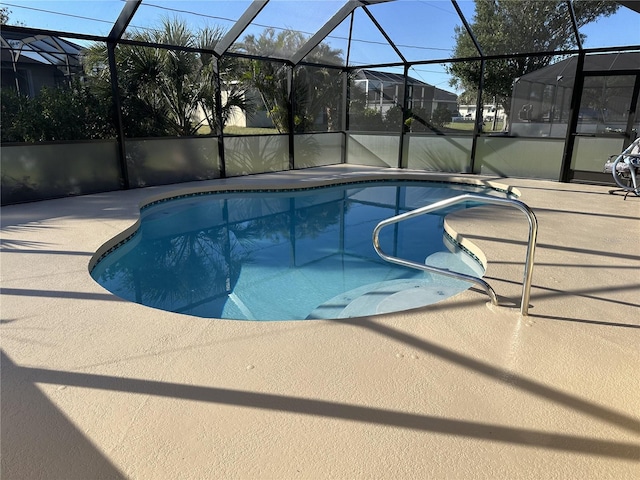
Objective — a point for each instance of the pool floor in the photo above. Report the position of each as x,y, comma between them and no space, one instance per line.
289,255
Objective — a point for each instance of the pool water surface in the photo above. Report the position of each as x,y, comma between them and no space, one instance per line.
289,255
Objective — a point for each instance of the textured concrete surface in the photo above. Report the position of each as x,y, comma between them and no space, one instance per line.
95,387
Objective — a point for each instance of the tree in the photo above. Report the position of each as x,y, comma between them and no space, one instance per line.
314,88
440,116
505,26
170,91
4,15
17,114
228,72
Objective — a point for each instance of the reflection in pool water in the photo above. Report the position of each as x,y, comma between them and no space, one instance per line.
288,255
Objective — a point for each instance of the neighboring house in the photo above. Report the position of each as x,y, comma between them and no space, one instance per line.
468,113
258,119
385,90
30,63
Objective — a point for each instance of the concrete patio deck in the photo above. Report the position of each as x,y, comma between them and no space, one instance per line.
96,387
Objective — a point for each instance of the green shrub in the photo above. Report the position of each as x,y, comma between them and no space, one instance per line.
55,114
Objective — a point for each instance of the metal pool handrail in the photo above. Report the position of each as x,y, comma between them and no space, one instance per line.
531,245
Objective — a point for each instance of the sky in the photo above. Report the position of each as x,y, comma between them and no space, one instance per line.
422,29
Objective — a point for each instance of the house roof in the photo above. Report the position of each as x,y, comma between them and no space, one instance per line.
439,94
444,96
388,77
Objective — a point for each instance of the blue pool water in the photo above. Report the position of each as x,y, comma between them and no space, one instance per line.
300,254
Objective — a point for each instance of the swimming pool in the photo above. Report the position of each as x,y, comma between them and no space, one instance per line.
289,255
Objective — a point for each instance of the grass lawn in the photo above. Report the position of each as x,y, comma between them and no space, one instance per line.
231,130
468,126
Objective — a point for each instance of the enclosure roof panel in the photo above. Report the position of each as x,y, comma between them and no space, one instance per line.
96,17
566,69
282,29
620,28
152,17
369,43
421,30
348,33
40,48
514,27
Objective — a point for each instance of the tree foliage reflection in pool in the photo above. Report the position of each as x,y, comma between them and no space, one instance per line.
301,254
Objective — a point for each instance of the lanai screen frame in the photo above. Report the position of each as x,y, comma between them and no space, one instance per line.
115,38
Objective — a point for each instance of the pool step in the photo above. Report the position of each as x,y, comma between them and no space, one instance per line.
400,294
386,297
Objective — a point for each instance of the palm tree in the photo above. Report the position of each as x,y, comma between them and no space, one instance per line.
314,89
228,72
168,91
